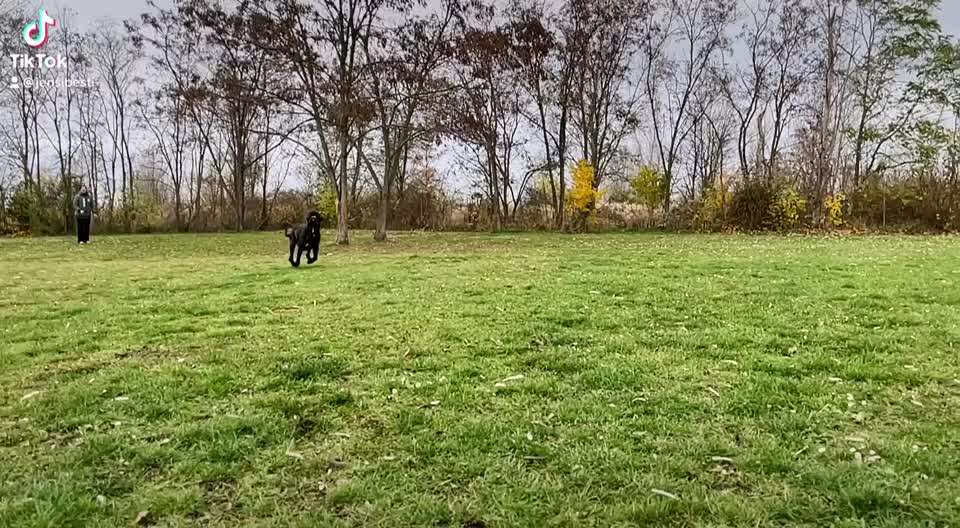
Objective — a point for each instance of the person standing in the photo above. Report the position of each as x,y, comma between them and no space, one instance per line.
83,208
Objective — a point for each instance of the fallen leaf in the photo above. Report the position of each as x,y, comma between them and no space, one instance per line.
726,460
713,391
142,519
512,378
292,453
529,436
666,494
30,395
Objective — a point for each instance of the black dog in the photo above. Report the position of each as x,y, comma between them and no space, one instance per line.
305,237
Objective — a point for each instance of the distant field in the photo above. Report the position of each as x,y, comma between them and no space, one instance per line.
481,381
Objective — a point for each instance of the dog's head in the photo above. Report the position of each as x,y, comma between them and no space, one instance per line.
313,223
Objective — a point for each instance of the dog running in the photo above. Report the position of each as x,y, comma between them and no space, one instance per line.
305,237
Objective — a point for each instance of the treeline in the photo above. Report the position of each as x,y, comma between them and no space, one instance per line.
570,115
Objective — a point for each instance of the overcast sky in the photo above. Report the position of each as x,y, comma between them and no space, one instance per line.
87,13
90,10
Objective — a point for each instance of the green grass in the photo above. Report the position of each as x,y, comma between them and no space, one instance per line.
762,381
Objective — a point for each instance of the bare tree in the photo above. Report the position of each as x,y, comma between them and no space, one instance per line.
547,49
697,27
175,111
59,107
116,59
322,47
604,99
711,130
405,90
896,40
745,88
790,47
488,118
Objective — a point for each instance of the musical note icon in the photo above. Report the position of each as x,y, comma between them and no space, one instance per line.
35,33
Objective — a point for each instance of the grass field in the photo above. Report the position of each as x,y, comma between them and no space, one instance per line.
481,381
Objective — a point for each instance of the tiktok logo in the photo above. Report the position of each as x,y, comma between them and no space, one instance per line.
36,33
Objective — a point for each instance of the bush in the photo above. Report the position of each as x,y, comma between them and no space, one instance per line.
912,204
751,205
834,207
681,216
607,218
423,204
711,212
146,213
326,203
788,210
648,188
38,213
290,208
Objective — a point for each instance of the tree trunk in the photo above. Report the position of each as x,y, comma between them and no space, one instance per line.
561,158
380,234
343,209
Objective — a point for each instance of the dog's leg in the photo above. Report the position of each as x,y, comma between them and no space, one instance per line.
294,247
313,253
296,264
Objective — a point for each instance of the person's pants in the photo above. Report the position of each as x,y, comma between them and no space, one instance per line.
83,230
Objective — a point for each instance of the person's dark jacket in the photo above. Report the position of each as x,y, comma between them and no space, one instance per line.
83,206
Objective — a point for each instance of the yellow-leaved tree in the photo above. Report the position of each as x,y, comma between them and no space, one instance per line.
326,203
647,188
584,194
835,206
